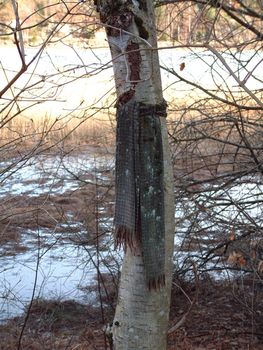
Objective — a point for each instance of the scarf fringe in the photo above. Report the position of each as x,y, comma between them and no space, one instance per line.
124,237
156,283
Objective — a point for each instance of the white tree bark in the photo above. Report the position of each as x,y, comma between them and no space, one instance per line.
141,317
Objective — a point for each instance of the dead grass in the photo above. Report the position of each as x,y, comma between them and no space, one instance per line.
9,235
23,135
222,318
225,316
55,325
69,214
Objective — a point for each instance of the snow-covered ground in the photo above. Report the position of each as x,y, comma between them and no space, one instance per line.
212,218
58,267
86,75
51,174
61,269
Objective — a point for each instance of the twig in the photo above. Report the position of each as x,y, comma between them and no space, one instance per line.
192,303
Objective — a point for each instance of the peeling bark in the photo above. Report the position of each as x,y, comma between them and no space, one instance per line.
134,60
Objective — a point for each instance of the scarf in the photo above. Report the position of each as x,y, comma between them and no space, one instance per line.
139,210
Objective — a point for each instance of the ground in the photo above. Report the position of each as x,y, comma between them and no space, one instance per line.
223,316
205,313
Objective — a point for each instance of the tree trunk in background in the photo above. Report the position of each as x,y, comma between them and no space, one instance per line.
142,314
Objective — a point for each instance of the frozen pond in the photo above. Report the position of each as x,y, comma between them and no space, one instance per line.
52,265
58,271
51,175
66,70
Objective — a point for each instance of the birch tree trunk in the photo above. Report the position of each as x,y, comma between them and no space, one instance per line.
142,314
